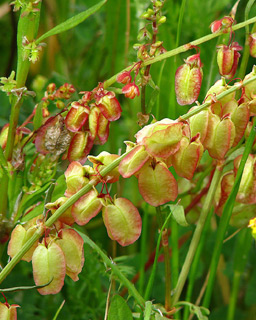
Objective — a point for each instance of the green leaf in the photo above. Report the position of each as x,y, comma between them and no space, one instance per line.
148,309
38,118
119,310
72,22
178,214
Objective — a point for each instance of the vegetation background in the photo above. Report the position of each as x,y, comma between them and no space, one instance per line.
94,51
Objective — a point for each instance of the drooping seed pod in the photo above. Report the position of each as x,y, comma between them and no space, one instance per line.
188,80
227,59
252,44
123,221
8,312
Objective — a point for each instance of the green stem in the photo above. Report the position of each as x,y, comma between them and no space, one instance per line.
243,246
132,290
165,244
227,211
143,250
197,234
175,252
246,50
8,268
194,267
180,49
27,27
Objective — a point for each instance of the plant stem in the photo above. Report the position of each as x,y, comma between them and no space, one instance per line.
27,27
180,49
132,290
8,268
242,249
165,244
197,234
143,248
194,267
227,211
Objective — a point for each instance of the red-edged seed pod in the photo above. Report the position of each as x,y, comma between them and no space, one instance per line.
188,80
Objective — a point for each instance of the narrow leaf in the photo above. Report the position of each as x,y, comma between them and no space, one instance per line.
72,22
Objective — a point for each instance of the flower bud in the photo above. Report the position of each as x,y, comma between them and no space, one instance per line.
131,90
124,77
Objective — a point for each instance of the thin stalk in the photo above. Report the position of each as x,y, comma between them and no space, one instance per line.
167,268
8,268
197,234
27,27
242,249
227,211
143,250
175,252
153,272
158,110
246,49
178,50
132,290
127,32
175,256
194,267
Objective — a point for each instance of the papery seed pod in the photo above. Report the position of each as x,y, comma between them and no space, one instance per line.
252,44
247,188
76,177
187,158
19,237
71,244
199,124
133,162
123,221
222,138
110,107
219,87
223,191
49,265
66,216
8,312
80,146
188,80
103,160
86,208
156,183
103,130
240,118
227,59
250,88
165,142
76,117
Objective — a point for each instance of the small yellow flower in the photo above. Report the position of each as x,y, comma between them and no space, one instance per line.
252,225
